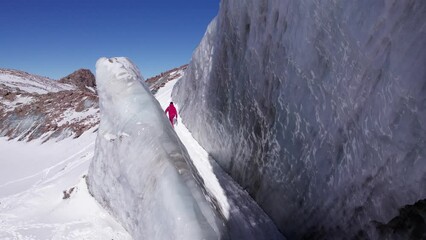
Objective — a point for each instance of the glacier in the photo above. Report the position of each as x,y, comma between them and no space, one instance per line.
316,108
141,172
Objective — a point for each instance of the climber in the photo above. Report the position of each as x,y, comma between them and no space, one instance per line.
172,113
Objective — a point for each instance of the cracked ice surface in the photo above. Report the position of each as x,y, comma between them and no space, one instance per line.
141,171
317,108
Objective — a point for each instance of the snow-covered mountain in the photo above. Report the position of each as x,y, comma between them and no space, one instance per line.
317,108
33,107
30,83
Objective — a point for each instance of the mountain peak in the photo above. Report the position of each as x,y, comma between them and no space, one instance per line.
81,78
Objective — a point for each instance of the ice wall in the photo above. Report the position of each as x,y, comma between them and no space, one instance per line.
141,171
318,108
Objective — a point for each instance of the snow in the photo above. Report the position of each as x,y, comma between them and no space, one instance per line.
30,83
32,180
198,155
317,108
141,171
245,219
91,89
173,199
20,100
71,116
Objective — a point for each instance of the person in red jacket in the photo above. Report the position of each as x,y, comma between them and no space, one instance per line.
172,112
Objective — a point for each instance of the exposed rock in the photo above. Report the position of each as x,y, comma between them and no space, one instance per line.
10,96
32,108
67,194
81,78
161,79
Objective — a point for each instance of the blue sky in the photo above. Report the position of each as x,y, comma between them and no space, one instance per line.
55,37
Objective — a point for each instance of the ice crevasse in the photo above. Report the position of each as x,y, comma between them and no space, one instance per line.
141,171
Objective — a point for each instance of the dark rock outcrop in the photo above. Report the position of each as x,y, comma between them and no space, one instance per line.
81,78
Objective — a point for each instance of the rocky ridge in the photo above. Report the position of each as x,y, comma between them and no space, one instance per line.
161,79
83,79
33,107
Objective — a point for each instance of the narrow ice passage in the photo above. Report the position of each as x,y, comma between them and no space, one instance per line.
246,220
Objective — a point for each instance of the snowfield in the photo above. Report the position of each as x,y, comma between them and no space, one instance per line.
32,180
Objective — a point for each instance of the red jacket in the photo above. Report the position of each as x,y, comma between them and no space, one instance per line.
172,111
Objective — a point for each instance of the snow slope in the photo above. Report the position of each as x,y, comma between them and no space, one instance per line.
317,108
32,180
31,83
141,171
